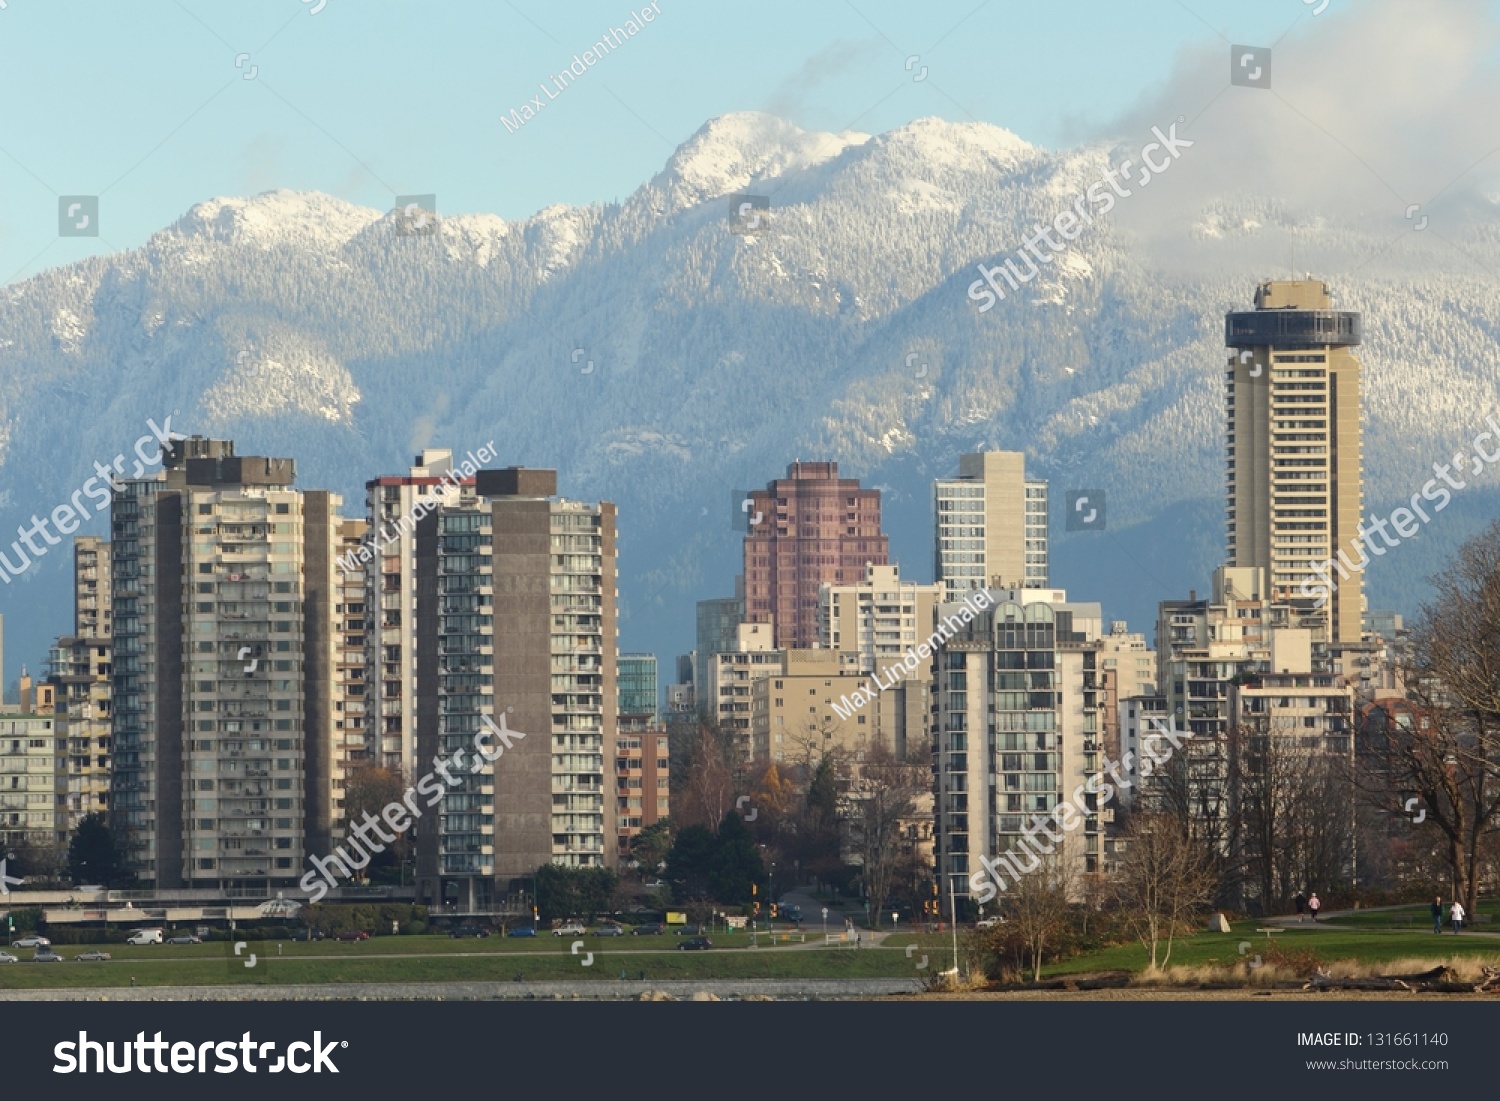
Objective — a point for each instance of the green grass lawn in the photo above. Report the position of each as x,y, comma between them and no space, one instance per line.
481,961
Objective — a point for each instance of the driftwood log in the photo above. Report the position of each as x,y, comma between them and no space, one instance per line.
1440,980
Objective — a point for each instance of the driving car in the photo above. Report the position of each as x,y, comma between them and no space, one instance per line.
353,934
522,931
92,957
463,931
184,938
650,929
609,929
33,941
6,957
696,944
569,929
46,955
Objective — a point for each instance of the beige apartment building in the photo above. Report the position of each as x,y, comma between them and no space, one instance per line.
991,526
881,617
29,805
224,670
1293,393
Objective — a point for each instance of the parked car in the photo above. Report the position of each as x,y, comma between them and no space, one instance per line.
92,957
46,955
650,929
609,929
569,929
144,936
33,941
353,934
463,931
184,938
522,931
988,923
308,934
6,957
696,944
690,931
655,884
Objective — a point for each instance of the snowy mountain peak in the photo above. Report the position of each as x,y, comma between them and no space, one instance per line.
282,218
729,152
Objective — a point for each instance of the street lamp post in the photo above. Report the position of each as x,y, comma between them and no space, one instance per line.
953,913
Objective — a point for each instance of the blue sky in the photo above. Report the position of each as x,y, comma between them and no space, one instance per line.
143,105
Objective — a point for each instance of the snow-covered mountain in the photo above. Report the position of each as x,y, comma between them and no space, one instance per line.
660,359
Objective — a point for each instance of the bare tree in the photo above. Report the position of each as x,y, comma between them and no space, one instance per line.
1038,907
884,795
1162,883
1449,757
1295,811
707,789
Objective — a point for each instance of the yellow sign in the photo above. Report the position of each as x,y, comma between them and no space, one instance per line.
676,917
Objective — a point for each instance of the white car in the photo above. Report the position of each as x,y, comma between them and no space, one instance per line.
33,941
989,923
571,929
6,957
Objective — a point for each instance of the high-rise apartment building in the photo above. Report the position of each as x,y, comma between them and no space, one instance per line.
28,780
642,779
390,599
1292,390
809,528
639,695
516,626
353,746
93,615
224,669
880,616
80,673
991,526
718,622
1017,729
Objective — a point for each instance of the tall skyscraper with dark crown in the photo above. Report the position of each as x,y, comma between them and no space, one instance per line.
1293,449
807,529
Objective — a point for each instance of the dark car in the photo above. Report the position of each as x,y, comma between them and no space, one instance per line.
696,944
463,931
353,934
308,934
522,931
609,929
652,929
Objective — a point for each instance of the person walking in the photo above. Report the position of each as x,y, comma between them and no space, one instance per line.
1301,901
1457,916
1437,914
1313,905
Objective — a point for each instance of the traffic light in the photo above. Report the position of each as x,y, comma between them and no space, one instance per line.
773,909
756,907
